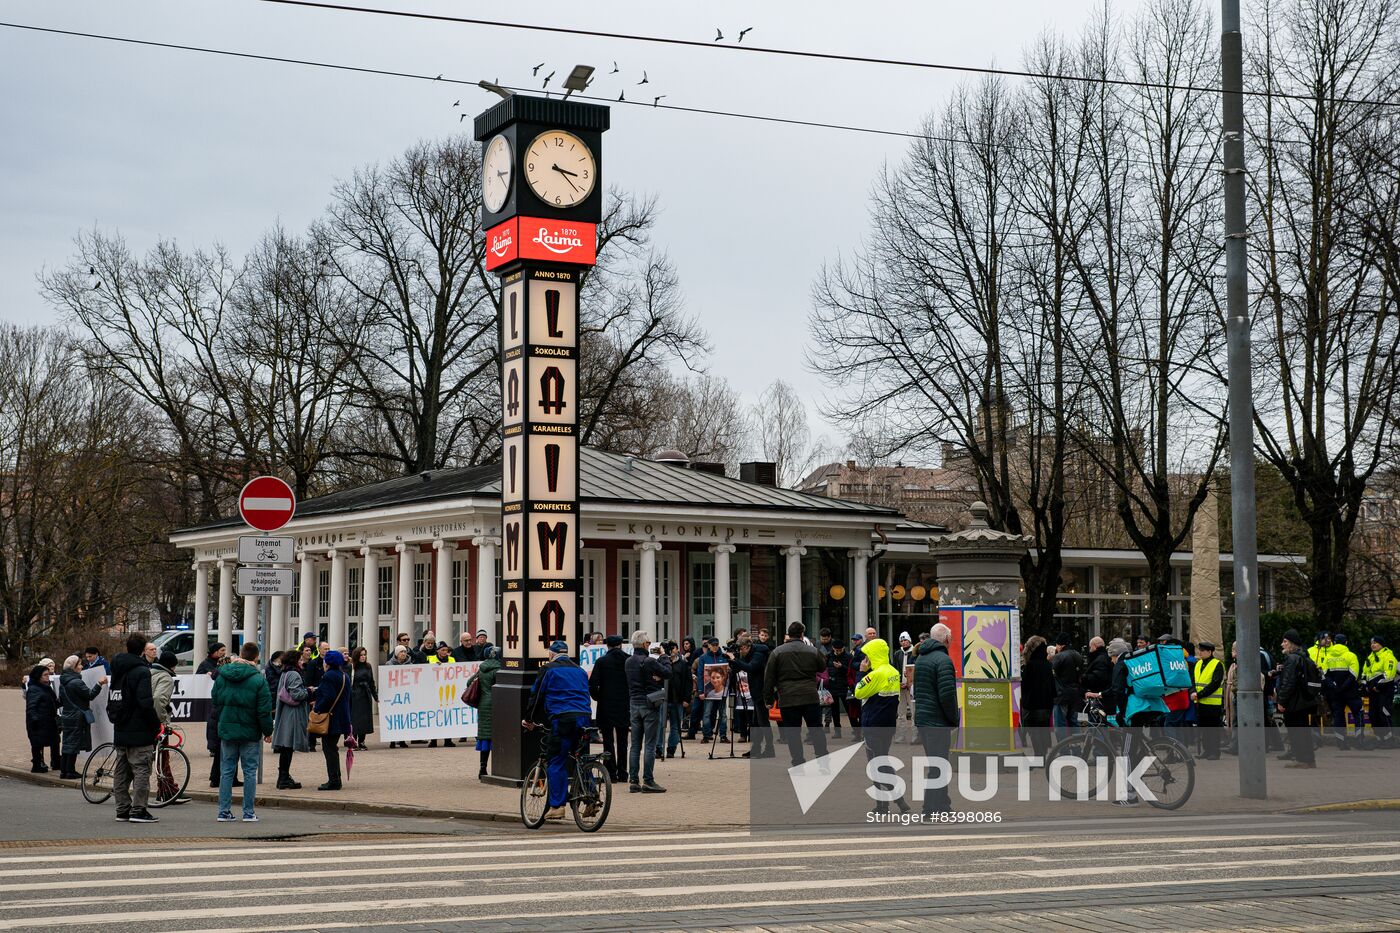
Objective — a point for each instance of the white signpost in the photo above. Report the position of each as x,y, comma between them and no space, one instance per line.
264,581
266,549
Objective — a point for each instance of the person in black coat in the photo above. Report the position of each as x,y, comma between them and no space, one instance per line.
218,654
333,697
751,660
41,719
1098,670
1037,693
607,684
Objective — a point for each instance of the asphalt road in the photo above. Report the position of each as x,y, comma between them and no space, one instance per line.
1280,873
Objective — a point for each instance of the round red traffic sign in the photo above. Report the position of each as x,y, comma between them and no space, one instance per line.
267,503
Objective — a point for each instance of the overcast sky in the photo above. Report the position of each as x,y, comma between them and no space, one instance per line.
200,148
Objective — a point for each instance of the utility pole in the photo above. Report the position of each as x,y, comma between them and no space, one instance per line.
1250,706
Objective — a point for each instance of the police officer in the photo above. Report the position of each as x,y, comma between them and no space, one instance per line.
1378,675
1208,677
1341,686
1318,652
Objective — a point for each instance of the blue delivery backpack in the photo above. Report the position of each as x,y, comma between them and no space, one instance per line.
1158,670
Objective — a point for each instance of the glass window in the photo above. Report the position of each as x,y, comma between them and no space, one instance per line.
323,594
1074,580
702,588
1121,581
386,589
459,586
354,606
295,608
420,589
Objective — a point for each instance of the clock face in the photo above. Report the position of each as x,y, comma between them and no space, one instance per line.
495,173
560,168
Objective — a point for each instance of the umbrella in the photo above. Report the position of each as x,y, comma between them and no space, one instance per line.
350,746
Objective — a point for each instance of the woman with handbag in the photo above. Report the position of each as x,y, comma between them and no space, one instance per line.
364,693
330,716
486,679
75,702
289,724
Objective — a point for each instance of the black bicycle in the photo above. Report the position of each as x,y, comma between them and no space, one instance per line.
590,787
1170,773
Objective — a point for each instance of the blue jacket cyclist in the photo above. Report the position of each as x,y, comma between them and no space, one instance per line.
560,698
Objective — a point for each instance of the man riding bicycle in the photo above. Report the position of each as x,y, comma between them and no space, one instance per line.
559,699
1126,708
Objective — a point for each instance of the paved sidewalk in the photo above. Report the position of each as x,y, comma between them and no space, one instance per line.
421,781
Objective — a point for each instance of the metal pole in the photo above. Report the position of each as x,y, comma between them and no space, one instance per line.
1250,705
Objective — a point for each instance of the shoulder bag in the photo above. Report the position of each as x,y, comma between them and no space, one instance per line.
284,695
472,695
320,723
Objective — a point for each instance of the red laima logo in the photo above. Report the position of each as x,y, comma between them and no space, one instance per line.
565,241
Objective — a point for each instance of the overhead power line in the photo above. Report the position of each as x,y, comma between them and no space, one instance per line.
734,114
806,53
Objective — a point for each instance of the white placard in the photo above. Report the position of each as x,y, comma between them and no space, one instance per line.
424,701
588,655
266,549
101,728
265,581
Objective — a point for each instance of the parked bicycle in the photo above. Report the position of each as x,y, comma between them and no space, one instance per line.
1170,774
171,770
590,787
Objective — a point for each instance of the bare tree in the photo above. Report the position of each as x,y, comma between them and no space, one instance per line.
1324,266
780,432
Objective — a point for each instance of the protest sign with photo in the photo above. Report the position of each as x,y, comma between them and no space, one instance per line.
716,682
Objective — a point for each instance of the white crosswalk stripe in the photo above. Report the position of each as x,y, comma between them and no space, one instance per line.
506,876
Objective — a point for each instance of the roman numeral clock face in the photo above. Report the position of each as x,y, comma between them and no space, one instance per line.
560,168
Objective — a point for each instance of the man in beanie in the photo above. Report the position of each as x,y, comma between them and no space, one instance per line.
559,700
1208,692
162,690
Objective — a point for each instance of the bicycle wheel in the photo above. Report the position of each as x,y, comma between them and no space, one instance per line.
96,784
592,795
1073,765
534,797
172,774
1172,775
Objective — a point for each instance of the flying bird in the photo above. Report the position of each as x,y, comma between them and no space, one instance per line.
719,36
536,70
644,78
744,32
461,118
456,103
622,95
438,78
615,69
546,79
657,100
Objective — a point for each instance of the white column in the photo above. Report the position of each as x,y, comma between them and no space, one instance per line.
860,590
306,600
225,623
201,612
277,636
250,620
442,591
486,586
724,622
794,582
647,616
369,601
403,612
335,625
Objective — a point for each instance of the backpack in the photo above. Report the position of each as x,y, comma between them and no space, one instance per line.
1310,679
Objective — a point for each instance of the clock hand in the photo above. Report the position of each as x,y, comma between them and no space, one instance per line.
566,175
565,171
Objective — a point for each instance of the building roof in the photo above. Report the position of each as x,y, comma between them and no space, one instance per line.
604,477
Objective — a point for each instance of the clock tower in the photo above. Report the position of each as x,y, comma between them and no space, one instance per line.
542,196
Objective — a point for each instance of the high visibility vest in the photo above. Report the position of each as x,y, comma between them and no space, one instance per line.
1205,670
1318,654
1380,664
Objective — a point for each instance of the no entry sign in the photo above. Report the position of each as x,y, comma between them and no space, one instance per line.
267,503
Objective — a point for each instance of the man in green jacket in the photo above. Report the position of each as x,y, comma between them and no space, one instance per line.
244,702
936,712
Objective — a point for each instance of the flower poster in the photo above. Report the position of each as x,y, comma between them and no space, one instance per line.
986,643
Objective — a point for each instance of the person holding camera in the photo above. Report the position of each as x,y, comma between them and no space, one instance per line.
751,661
648,678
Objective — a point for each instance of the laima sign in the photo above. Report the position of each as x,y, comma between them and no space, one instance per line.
538,239
267,503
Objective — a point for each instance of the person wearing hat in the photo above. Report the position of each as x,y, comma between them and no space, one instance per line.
1296,700
715,711
607,684
559,701
902,658
1341,686
333,696
441,655
1208,692
1378,678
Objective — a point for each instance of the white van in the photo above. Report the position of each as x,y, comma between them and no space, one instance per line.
181,641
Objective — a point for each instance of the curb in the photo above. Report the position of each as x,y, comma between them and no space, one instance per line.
1353,806
302,803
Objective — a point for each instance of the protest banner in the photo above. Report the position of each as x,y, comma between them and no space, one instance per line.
588,655
189,702
424,701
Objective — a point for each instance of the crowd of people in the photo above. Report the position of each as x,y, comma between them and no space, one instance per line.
648,701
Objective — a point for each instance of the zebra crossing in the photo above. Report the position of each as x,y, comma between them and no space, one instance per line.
513,880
